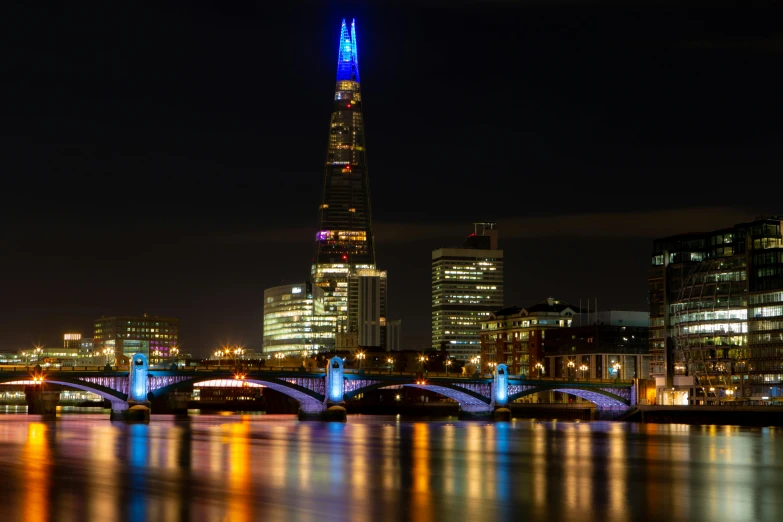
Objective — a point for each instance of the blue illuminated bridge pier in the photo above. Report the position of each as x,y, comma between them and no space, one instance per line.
316,390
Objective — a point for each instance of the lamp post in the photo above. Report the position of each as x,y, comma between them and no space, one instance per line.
540,368
38,351
571,365
447,364
238,352
390,361
616,367
279,356
24,354
422,360
106,352
583,369
360,357
174,352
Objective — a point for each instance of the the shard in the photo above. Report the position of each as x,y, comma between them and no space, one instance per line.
344,241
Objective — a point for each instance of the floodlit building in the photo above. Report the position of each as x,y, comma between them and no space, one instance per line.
467,286
72,340
716,314
295,320
515,336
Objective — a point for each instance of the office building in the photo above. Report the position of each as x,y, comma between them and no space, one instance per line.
467,286
393,335
604,345
366,310
152,336
515,336
86,346
716,314
72,340
295,321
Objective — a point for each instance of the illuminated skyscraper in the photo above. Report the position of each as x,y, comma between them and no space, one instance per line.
344,241
467,286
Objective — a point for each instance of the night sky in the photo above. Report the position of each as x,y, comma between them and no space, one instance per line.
168,157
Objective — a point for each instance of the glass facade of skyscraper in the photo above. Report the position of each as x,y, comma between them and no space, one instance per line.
294,320
716,315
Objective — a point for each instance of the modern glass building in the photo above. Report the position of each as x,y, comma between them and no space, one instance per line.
467,286
344,240
295,322
716,315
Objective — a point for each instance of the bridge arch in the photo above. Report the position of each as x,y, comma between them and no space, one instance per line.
468,400
117,399
601,398
309,400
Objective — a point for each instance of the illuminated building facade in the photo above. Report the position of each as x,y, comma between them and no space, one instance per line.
344,240
604,345
72,340
515,336
295,320
467,286
716,315
366,310
127,335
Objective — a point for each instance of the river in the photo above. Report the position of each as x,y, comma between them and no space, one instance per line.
242,468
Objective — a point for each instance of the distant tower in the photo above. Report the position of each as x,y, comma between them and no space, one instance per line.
344,241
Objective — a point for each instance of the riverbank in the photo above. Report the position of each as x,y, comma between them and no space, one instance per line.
722,415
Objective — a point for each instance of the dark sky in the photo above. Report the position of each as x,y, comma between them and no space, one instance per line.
167,157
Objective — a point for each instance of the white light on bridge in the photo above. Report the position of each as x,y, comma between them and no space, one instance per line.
227,383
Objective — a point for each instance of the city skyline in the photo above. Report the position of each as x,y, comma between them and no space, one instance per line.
187,197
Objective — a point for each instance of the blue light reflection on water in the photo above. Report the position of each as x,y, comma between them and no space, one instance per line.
82,467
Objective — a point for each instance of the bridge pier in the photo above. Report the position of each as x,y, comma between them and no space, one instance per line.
41,402
332,409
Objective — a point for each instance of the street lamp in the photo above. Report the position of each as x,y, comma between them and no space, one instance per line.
360,357
571,365
38,350
24,354
583,369
238,352
447,363
540,368
107,352
616,367
422,360
391,364
279,356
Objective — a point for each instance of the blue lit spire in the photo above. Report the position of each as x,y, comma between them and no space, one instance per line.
347,57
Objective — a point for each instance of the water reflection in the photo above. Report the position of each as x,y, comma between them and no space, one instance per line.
377,469
37,474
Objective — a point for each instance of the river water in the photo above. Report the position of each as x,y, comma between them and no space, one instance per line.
242,468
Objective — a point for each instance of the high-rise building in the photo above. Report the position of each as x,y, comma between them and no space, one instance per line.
127,335
716,314
467,286
344,240
294,320
366,309
72,340
393,335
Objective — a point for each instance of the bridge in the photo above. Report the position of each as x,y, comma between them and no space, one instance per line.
316,390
